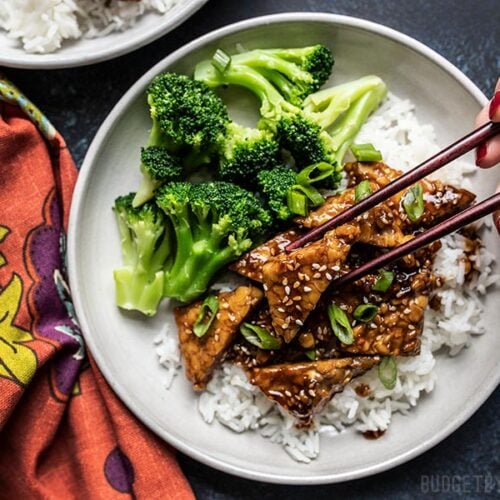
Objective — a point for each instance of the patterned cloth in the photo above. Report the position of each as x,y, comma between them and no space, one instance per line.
63,432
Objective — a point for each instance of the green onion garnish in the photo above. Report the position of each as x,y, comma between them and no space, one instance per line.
384,281
207,314
340,324
300,198
297,202
221,60
259,337
313,195
388,372
413,202
365,312
315,173
311,354
362,190
366,152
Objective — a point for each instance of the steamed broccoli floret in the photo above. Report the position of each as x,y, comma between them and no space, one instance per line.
214,223
145,250
296,72
188,117
308,144
290,193
245,152
275,185
158,166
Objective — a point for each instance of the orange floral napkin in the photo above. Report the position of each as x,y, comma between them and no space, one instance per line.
63,432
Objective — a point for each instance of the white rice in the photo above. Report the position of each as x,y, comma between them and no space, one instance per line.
41,26
234,402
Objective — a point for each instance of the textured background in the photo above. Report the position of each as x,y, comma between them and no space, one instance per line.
467,33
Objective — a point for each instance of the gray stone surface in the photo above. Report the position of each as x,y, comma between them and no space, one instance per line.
467,33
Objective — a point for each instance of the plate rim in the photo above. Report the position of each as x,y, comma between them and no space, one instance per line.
57,60
480,396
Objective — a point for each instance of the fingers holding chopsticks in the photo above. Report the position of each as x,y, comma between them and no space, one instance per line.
488,154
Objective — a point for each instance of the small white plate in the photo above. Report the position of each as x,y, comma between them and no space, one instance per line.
84,51
122,344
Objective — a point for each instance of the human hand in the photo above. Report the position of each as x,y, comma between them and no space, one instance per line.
488,154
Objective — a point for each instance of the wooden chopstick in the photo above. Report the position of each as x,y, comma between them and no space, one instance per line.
448,226
455,150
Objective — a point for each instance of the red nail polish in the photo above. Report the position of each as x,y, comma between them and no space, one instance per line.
494,105
481,153
496,218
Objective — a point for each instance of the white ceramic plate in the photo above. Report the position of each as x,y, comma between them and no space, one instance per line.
122,343
89,51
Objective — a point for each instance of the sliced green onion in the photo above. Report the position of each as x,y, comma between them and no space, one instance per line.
363,189
259,337
221,60
315,173
206,316
366,152
413,202
300,198
340,324
388,372
384,281
297,202
311,354
365,312
313,195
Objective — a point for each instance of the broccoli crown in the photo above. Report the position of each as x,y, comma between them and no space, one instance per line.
317,60
214,223
245,153
302,138
188,113
145,249
275,185
160,165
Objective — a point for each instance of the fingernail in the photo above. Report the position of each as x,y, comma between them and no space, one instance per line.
496,218
494,105
481,152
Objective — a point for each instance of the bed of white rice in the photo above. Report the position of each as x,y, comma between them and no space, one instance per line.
235,403
41,26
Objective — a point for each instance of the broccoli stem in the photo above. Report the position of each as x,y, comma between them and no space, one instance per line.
246,77
194,269
327,105
136,291
261,59
351,122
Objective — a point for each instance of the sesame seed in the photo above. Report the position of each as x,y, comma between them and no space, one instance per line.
288,394
296,284
285,281
411,327
316,276
287,290
336,268
298,322
284,326
281,310
307,289
298,307
264,286
297,298
322,268
315,266
329,277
